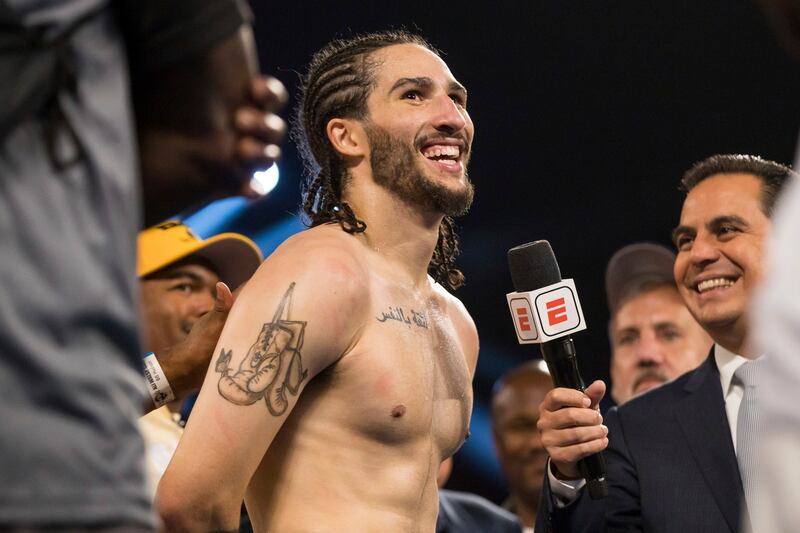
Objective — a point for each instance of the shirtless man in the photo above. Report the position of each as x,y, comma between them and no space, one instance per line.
343,374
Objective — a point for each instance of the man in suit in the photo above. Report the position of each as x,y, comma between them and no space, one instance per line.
464,512
674,454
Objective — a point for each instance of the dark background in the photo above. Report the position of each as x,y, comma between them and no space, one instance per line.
586,115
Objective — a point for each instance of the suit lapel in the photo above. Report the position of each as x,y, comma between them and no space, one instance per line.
701,414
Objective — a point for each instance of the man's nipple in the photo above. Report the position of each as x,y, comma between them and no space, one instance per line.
398,411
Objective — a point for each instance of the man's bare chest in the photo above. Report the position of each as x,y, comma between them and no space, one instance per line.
407,376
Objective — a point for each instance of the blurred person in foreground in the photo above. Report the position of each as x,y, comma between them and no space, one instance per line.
72,172
515,412
343,375
777,320
653,336
682,457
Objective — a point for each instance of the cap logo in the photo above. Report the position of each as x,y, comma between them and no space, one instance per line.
170,224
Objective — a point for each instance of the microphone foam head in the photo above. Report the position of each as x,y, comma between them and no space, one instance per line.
533,266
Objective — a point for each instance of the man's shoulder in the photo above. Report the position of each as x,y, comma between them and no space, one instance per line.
323,254
330,276
452,305
455,310
325,237
458,505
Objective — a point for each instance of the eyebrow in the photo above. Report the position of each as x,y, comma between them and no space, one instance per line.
424,81
419,82
626,329
177,274
666,324
714,223
727,219
681,230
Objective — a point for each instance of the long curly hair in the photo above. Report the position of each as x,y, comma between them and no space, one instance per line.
338,82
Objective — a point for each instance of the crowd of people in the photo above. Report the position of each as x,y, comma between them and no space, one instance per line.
334,377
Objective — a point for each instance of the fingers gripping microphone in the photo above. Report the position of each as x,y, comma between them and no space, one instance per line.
546,311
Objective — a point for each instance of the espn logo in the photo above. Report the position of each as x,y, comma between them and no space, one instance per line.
524,321
547,313
556,311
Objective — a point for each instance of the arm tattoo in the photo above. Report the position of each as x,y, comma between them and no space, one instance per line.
272,366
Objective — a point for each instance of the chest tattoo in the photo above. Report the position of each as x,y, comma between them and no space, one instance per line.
399,314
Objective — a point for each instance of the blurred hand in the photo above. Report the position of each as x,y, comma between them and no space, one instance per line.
260,130
185,364
571,427
205,126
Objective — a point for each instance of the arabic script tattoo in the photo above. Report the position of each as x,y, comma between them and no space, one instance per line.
272,367
397,313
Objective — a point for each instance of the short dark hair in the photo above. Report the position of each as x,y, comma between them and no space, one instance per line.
774,176
533,372
338,82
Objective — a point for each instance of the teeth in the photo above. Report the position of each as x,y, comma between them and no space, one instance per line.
439,151
709,284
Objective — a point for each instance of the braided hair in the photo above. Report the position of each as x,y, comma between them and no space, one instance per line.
338,82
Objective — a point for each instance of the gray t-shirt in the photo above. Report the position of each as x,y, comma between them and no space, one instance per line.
71,387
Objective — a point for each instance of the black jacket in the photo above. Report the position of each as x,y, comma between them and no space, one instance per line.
671,465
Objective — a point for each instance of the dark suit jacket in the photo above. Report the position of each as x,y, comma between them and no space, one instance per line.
461,512
671,465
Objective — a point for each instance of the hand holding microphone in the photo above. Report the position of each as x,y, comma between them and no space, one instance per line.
572,428
546,311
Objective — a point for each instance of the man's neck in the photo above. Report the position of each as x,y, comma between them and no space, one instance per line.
401,232
525,509
734,338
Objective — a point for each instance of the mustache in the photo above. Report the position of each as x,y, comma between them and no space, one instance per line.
649,373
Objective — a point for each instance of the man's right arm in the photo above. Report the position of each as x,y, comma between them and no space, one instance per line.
571,428
299,314
570,431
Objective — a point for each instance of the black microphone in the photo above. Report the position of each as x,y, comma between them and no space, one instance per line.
534,266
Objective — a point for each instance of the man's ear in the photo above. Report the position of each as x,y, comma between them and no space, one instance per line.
348,137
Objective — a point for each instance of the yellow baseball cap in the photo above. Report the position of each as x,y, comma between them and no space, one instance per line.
234,256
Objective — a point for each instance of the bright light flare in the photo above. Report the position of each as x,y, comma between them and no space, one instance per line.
265,180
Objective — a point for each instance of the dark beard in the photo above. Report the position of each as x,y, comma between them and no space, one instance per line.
395,169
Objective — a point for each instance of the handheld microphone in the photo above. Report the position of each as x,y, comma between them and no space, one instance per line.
546,311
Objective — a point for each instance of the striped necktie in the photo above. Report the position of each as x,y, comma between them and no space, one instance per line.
748,430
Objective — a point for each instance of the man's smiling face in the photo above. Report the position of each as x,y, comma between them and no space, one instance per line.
173,299
720,243
419,130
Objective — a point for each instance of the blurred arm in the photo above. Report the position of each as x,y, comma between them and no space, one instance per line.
205,118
